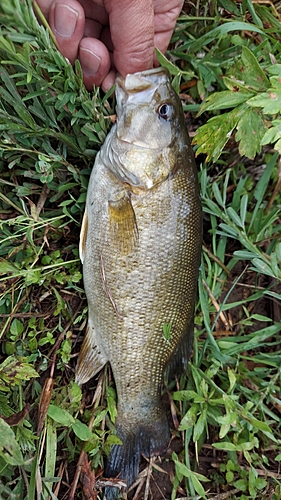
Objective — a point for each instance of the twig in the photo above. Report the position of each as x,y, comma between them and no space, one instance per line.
60,475
217,307
224,496
42,199
217,260
149,474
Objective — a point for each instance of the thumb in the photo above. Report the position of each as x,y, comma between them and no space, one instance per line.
132,34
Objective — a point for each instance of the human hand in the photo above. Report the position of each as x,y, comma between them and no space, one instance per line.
109,36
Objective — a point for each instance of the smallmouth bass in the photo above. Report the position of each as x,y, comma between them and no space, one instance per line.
140,246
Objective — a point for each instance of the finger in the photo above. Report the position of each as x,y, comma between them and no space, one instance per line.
44,6
109,80
166,15
67,21
95,61
162,40
132,33
94,9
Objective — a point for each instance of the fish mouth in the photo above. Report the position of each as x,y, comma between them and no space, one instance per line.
137,82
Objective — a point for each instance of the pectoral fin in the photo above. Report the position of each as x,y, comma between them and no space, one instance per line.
123,224
83,237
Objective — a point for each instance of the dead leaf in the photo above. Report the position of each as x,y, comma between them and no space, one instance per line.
44,403
17,418
88,479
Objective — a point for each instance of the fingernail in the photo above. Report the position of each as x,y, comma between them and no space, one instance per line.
90,62
65,19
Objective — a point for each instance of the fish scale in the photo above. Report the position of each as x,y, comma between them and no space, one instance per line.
140,246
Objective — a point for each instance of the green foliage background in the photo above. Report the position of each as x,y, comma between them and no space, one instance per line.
224,59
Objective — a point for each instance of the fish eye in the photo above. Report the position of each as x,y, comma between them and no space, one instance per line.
165,111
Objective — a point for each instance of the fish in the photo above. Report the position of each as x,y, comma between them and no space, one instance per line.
140,245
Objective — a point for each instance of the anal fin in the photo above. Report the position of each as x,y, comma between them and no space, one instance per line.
91,358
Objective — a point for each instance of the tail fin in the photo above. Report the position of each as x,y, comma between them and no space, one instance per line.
150,438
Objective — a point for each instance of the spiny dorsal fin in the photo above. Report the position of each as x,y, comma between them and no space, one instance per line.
83,237
123,224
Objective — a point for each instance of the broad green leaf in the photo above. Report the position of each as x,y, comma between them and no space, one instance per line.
272,134
270,101
260,425
241,484
189,418
14,370
228,230
277,146
245,254
186,396
223,100
113,439
230,6
111,403
100,416
232,379
51,448
234,216
174,70
200,425
183,469
9,448
16,327
60,415
275,69
229,418
225,445
215,33
243,208
82,430
261,266
248,70
7,267
236,85
250,130
212,137
198,486
260,317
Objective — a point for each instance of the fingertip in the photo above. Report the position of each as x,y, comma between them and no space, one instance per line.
67,21
95,61
109,81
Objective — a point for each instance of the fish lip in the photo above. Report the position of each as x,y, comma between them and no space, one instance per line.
120,81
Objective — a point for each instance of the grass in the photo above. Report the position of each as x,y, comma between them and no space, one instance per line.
227,408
